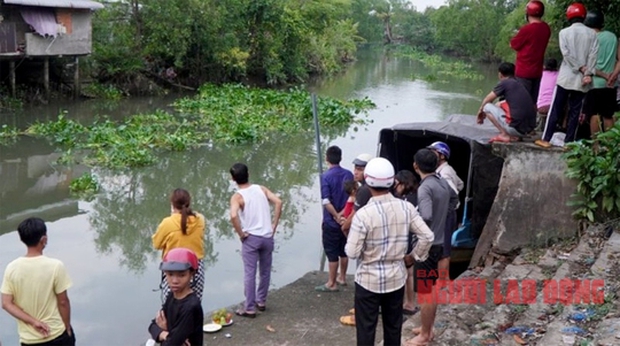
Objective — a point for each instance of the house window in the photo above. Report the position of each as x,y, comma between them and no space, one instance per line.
63,17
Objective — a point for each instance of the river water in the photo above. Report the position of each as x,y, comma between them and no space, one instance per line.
105,243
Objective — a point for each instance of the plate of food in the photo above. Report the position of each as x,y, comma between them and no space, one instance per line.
222,317
211,327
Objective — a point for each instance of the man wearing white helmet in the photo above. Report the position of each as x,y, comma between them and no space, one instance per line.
378,240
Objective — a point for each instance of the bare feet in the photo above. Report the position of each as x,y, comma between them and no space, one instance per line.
418,341
418,330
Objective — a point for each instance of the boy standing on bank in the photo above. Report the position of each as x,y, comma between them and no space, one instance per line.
530,43
34,291
179,322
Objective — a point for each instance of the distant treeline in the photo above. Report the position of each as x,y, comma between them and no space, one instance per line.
286,41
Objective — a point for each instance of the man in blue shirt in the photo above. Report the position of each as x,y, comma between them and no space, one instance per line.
334,198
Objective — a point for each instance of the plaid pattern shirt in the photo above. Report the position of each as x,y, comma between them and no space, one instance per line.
378,239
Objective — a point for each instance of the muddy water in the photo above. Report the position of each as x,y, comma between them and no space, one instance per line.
105,243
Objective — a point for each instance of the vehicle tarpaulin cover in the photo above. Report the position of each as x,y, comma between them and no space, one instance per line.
466,139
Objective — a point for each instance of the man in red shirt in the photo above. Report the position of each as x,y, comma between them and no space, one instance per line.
530,43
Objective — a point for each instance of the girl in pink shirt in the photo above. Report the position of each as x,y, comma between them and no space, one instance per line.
547,86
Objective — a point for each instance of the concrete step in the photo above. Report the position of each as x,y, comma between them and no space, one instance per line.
577,267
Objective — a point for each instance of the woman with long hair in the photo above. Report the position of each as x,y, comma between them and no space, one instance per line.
184,228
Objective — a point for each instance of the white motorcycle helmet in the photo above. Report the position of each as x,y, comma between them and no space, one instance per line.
379,173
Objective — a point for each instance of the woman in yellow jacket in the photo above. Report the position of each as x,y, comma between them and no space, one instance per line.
183,228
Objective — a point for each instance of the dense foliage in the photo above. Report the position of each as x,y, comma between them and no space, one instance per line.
282,41
595,166
226,114
197,40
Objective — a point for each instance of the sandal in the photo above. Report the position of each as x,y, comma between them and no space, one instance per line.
412,311
261,307
244,313
324,288
348,320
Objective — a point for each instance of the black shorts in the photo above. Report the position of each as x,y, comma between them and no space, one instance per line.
601,102
426,273
447,237
333,243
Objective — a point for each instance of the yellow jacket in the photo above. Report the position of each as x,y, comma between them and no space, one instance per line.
169,235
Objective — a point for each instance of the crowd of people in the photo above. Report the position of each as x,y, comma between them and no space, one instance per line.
398,228
34,287
578,101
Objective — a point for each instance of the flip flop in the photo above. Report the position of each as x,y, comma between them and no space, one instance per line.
348,320
542,143
243,313
261,307
411,312
324,288
499,139
341,283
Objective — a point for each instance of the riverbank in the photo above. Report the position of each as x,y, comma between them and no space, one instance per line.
297,314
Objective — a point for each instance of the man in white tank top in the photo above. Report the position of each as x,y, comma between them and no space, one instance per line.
251,218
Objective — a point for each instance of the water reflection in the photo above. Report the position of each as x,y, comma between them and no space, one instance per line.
133,204
30,184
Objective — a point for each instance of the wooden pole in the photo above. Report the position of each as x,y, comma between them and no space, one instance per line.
76,78
12,77
46,77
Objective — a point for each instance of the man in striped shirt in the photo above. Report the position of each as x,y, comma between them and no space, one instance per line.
378,240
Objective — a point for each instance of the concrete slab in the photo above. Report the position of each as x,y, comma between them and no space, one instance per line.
298,314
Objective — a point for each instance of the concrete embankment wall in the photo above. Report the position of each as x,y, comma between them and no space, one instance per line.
530,205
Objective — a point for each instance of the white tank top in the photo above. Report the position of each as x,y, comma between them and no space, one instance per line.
255,216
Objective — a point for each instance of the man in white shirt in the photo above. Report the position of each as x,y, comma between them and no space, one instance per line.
579,46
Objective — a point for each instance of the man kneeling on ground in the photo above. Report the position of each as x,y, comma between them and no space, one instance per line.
515,117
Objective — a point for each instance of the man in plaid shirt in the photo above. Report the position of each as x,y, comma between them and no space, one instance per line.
378,240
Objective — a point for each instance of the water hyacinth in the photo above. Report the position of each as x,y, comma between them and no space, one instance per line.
226,114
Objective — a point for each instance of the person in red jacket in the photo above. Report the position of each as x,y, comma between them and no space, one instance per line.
530,43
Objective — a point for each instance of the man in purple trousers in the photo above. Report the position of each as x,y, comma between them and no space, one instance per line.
251,217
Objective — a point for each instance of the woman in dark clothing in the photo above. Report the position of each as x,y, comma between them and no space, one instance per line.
406,187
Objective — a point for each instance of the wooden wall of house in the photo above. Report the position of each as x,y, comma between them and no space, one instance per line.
76,40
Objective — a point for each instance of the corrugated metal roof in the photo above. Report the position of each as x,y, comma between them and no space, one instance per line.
83,4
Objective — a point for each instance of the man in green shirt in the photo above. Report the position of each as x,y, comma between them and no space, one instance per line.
600,101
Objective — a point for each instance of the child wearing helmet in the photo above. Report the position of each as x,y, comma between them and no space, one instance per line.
530,43
579,46
179,322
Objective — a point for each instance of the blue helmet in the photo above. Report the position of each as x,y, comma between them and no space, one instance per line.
441,148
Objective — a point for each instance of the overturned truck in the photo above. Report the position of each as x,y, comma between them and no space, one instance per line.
515,194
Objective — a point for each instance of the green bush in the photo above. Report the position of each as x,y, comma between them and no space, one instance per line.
598,189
